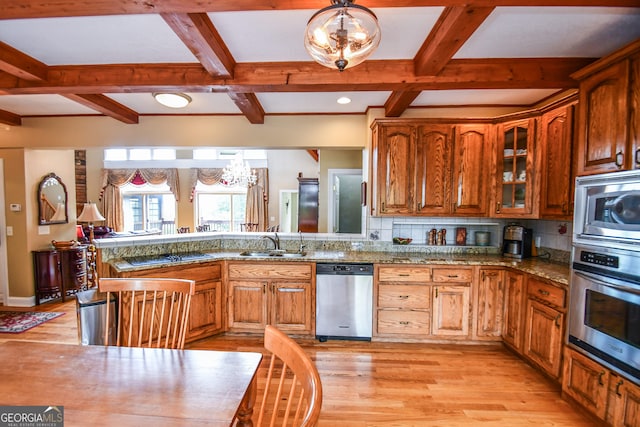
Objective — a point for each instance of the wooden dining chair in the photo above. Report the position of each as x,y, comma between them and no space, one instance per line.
293,391
151,312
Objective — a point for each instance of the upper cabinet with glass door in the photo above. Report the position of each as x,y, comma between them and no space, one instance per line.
515,172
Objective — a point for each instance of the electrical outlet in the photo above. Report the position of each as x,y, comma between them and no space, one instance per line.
9,230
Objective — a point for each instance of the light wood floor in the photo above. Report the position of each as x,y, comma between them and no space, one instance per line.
382,384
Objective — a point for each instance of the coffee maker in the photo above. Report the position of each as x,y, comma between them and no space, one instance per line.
516,242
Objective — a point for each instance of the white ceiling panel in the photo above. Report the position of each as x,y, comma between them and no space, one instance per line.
536,32
96,40
278,35
39,105
202,103
325,102
482,97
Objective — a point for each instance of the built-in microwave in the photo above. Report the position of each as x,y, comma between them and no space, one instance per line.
607,209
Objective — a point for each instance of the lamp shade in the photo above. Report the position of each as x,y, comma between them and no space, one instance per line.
60,215
342,35
90,213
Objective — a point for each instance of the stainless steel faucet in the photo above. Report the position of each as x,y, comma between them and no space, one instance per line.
275,240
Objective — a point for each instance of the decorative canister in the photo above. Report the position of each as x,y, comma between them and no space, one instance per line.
483,238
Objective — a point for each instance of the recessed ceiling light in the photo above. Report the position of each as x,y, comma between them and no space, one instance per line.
344,100
173,100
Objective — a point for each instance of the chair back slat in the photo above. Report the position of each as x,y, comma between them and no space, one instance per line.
293,392
151,312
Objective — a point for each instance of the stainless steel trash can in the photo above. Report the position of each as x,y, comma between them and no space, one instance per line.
91,309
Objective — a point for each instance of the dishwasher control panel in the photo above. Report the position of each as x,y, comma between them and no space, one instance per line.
344,268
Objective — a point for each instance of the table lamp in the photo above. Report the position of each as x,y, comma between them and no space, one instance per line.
90,214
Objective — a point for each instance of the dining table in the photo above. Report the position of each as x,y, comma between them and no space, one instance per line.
130,386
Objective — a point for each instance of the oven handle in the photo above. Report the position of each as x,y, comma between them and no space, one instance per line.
594,278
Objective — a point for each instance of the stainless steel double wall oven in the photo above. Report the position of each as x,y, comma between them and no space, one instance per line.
604,314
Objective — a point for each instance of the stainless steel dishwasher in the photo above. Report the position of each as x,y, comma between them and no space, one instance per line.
344,301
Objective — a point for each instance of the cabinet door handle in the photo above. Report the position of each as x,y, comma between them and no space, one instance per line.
403,296
452,276
436,289
483,276
543,292
403,322
557,320
382,207
289,289
600,376
498,207
418,206
403,275
618,384
619,159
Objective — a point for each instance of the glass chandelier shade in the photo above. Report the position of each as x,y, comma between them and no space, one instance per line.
342,35
238,174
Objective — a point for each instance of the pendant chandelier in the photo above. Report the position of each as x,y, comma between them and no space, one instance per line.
238,174
342,35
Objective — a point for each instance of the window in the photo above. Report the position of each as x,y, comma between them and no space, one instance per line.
138,154
221,207
147,207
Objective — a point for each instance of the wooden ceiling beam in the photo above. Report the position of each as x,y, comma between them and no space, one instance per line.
198,33
106,106
250,106
521,73
398,102
16,63
452,29
9,118
22,9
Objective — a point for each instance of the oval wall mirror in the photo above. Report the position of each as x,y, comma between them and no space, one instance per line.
52,201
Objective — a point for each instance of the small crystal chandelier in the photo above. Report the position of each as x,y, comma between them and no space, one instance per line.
238,174
342,35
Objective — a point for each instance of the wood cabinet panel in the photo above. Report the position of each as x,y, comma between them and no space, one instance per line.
405,322
459,274
451,310
60,273
490,305
556,184
543,339
514,309
623,403
247,305
404,296
471,155
395,169
602,131
586,382
258,270
404,274
291,307
546,292
433,169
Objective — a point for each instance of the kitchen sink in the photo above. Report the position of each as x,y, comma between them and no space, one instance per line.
279,254
167,258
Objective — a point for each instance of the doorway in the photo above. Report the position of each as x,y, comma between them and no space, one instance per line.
4,277
345,209
288,211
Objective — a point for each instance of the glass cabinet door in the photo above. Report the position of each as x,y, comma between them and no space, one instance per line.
515,168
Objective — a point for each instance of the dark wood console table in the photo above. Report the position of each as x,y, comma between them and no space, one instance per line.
60,272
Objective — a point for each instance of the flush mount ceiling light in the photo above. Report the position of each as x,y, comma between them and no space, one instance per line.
343,100
173,100
342,35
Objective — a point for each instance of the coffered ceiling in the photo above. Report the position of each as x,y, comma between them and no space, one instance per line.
244,57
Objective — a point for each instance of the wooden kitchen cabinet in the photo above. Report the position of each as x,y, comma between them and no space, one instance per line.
490,303
208,305
515,171
424,168
623,403
279,294
609,113
393,155
544,325
422,302
470,178
514,309
586,381
556,180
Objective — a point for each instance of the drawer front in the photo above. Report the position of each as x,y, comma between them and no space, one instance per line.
452,275
546,292
251,270
404,296
403,322
201,273
404,274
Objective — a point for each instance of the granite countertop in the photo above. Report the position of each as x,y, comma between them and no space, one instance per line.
536,266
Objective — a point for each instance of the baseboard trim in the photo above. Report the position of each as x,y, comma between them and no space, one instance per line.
21,301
